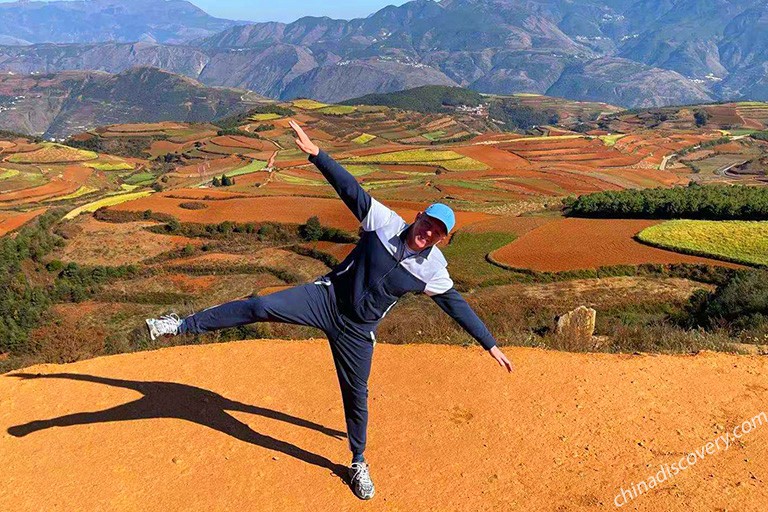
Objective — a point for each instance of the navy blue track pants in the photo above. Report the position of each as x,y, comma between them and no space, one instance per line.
313,305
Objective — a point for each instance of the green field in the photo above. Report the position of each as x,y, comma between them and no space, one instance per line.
364,138
466,254
265,117
83,190
433,136
736,241
309,104
110,166
141,178
8,173
254,166
337,110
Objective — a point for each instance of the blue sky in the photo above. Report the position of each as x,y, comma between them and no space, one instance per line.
289,10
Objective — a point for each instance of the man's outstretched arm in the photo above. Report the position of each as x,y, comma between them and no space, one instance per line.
371,213
457,308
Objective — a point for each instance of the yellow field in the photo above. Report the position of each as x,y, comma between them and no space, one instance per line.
309,104
110,166
407,156
337,110
450,160
737,241
53,153
364,138
265,117
107,201
74,195
8,173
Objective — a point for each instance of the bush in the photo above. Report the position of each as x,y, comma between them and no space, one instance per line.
312,231
193,205
740,304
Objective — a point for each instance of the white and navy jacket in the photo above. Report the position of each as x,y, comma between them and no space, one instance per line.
375,274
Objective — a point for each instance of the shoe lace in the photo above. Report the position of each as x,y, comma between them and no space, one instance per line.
361,475
169,323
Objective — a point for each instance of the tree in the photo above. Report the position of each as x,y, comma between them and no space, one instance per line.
701,117
216,182
312,230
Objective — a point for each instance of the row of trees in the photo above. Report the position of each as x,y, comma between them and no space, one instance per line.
713,202
224,181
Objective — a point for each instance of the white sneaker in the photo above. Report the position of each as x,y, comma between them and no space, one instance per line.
360,480
167,325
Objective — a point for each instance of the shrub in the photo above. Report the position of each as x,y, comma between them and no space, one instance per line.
193,205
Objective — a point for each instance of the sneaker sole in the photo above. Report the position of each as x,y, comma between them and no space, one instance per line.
149,330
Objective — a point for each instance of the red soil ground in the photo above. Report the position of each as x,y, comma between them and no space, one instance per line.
574,244
292,209
237,426
494,157
69,180
10,221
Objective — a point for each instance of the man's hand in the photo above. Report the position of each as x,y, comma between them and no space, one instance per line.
303,141
500,358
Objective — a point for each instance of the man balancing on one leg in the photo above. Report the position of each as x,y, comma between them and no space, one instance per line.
391,259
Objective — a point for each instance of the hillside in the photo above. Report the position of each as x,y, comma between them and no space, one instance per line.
62,104
631,53
259,426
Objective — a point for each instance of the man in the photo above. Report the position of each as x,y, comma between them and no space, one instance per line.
391,259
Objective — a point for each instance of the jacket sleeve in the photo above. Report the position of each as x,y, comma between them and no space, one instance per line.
371,213
445,295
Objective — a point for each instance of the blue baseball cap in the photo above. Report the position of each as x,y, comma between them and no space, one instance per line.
443,213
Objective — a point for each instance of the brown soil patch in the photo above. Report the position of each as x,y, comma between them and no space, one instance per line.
338,251
306,268
10,221
573,244
99,243
226,426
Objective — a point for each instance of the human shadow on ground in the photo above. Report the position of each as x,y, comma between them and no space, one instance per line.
174,400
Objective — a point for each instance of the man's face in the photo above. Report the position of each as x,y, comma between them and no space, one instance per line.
425,232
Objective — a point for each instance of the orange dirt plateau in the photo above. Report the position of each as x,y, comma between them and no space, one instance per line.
259,426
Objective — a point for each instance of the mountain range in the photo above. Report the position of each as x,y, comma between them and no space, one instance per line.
59,104
633,53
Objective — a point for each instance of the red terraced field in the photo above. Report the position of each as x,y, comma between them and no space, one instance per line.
331,212
71,179
494,157
575,244
235,141
10,221
214,165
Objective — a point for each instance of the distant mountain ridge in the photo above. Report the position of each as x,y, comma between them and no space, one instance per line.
60,104
634,53
89,21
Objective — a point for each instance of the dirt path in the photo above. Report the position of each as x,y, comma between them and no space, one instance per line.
262,422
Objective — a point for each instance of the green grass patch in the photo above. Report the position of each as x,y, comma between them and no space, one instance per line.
108,201
337,110
610,140
265,117
297,180
736,241
466,257
110,166
364,138
362,170
433,136
82,191
309,104
254,166
140,178
407,156
8,173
